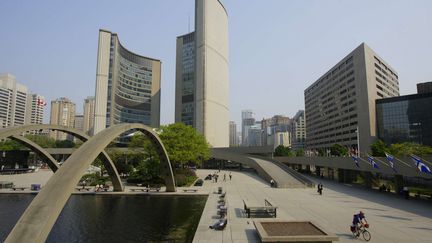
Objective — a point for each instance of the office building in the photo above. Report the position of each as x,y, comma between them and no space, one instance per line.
405,118
423,88
63,114
233,134
343,100
298,132
247,121
127,85
35,109
88,116
13,105
279,138
202,74
254,135
79,122
276,125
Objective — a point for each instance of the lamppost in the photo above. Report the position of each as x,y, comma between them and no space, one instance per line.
358,142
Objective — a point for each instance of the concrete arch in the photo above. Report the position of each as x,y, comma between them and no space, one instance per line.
36,222
52,163
108,163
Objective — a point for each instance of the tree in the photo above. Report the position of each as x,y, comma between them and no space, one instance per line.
43,141
300,153
184,144
404,149
378,148
338,150
283,151
9,145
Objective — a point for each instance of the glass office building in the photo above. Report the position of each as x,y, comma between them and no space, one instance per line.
405,119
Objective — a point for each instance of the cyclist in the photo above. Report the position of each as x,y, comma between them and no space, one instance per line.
358,220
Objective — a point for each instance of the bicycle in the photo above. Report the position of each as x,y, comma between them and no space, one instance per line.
356,231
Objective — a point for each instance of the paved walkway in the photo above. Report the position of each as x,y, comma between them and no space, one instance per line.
283,179
392,219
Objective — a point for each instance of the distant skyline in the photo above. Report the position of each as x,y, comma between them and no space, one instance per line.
277,47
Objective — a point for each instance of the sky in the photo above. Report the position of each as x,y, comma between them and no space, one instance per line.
277,47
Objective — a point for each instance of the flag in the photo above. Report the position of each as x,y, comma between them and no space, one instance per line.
390,159
420,165
355,158
372,162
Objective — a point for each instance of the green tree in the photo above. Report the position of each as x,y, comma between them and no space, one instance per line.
283,151
338,150
300,153
9,145
43,141
405,149
378,148
184,144
64,144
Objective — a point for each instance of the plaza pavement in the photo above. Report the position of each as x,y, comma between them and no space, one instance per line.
392,218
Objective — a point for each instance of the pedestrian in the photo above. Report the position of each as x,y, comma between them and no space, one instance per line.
272,183
216,177
230,176
320,188
224,177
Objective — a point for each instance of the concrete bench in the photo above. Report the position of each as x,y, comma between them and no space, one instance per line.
19,188
138,189
157,189
190,190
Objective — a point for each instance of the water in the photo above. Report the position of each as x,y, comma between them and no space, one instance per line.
114,218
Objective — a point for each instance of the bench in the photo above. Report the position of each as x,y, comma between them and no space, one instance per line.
137,189
82,189
219,225
260,211
19,188
157,189
190,190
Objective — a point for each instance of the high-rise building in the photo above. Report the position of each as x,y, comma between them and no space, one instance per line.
423,88
13,105
299,131
247,122
127,85
276,125
254,135
88,119
343,100
202,74
79,122
63,114
233,134
35,111
405,118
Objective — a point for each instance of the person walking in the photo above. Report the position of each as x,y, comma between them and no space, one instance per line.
272,182
224,177
230,176
320,188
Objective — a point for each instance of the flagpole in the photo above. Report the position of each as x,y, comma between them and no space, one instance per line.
358,142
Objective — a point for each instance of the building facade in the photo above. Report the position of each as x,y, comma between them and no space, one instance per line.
63,114
13,105
298,131
202,94
405,118
35,109
342,101
247,121
424,88
79,122
276,125
127,85
88,116
254,135
233,134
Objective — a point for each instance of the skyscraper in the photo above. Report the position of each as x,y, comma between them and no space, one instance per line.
88,119
247,122
127,85
299,130
79,122
202,74
63,114
277,131
233,134
343,100
35,110
13,103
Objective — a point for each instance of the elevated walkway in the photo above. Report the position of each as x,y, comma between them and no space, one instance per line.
267,169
